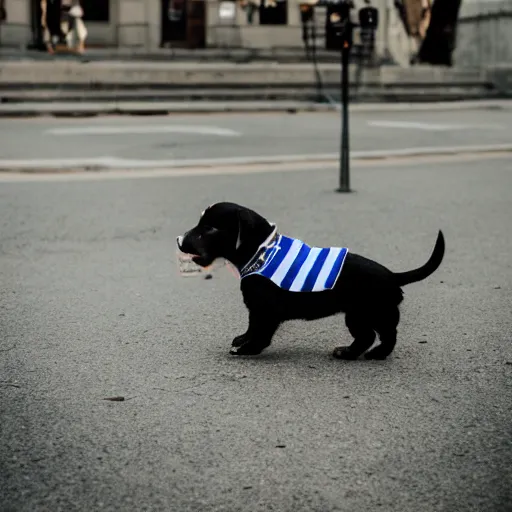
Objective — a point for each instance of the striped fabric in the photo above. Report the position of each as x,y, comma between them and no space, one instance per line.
296,267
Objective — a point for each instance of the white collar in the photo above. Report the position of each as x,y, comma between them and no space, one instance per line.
264,245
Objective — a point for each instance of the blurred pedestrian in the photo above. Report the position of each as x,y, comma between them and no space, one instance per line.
51,24
3,17
77,31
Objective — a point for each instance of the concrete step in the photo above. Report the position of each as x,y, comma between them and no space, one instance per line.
103,75
304,93
206,55
181,107
85,109
36,86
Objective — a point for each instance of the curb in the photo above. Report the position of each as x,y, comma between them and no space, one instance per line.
113,164
155,108
211,107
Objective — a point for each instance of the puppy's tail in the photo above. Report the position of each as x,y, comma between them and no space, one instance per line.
418,274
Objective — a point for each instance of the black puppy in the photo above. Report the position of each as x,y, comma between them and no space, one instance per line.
284,279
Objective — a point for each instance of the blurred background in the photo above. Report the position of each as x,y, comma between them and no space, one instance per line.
465,33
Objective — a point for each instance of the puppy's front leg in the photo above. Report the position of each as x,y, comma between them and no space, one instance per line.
239,340
258,336
244,338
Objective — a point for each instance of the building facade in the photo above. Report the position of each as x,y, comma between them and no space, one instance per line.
153,24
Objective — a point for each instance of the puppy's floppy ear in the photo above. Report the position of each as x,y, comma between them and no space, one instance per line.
246,223
238,238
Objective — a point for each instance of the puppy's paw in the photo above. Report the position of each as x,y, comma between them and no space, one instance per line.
239,340
344,353
247,349
377,354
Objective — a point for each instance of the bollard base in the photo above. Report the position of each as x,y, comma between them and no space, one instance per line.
343,190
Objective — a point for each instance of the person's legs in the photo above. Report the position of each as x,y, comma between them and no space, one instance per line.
81,34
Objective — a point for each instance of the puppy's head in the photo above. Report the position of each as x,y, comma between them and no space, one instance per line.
225,230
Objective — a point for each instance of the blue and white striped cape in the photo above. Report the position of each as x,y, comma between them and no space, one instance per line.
296,267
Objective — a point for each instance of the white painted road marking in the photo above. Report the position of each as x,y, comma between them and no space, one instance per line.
433,127
142,130
112,162
11,177
245,165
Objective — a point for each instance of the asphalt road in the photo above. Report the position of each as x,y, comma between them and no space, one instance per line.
91,306
234,135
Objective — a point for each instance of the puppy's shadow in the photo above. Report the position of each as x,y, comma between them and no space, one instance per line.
299,356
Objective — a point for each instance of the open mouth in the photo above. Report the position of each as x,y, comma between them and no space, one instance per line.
198,260
201,261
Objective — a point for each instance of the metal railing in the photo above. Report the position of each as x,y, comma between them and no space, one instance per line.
282,40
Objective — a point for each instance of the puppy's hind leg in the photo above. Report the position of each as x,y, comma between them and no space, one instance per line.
363,334
386,328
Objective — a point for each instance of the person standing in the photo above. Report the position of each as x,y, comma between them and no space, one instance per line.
51,23
77,31
3,17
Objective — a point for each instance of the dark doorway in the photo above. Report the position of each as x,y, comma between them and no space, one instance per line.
276,14
183,23
96,10
35,25
174,21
